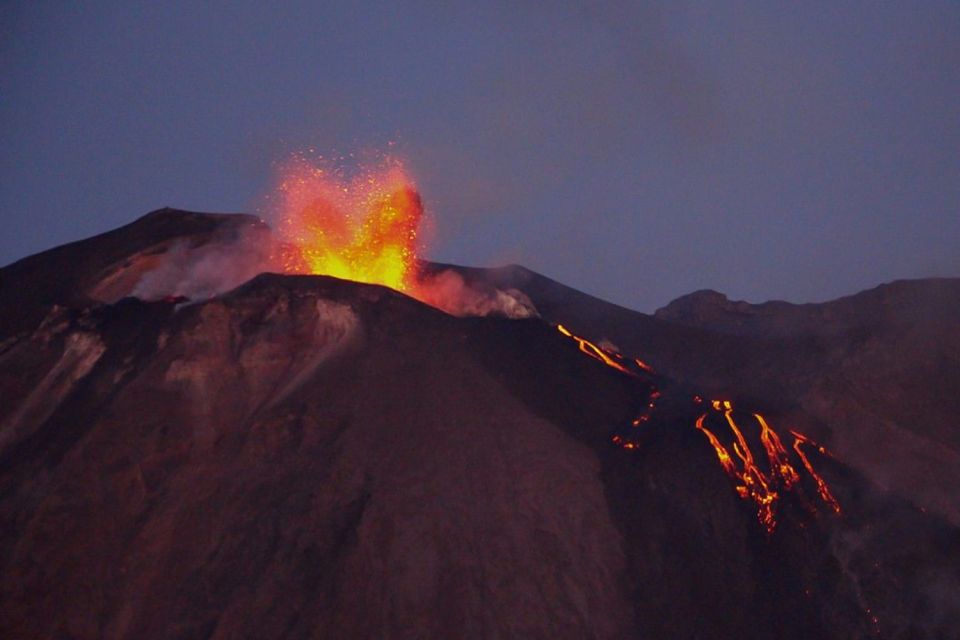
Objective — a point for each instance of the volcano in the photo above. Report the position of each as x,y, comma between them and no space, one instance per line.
192,448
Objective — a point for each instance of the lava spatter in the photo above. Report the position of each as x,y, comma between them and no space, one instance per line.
363,227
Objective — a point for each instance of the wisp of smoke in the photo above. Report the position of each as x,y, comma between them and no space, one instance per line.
202,272
449,292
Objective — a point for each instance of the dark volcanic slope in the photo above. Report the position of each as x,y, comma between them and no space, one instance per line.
876,376
882,370
307,457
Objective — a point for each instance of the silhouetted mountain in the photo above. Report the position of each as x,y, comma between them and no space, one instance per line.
301,456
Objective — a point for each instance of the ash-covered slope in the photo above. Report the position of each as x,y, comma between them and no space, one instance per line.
306,457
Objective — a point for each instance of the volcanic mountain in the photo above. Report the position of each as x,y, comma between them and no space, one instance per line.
191,448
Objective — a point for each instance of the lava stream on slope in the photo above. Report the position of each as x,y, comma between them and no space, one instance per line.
764,479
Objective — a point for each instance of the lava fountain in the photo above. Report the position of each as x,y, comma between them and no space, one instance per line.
363,227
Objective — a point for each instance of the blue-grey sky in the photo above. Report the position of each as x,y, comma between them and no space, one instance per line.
636,151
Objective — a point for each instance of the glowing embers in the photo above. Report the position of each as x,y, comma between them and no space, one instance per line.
766,486
362,228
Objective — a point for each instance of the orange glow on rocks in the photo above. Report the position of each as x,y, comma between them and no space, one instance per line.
363,227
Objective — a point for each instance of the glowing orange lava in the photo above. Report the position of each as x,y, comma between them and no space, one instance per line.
764,483
617,362
765,488
363,228
606,357
776,454
822,487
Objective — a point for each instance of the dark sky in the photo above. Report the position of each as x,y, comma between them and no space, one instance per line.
797,150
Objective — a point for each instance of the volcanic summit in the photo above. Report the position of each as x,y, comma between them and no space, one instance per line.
193,447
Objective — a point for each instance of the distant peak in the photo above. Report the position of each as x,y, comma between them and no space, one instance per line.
701,300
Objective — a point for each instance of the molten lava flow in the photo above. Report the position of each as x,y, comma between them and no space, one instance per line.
606,357
752,482
722,454
777,454
822,487
364,228
617,362
764,486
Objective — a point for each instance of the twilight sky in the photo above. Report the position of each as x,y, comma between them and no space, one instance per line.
799,151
